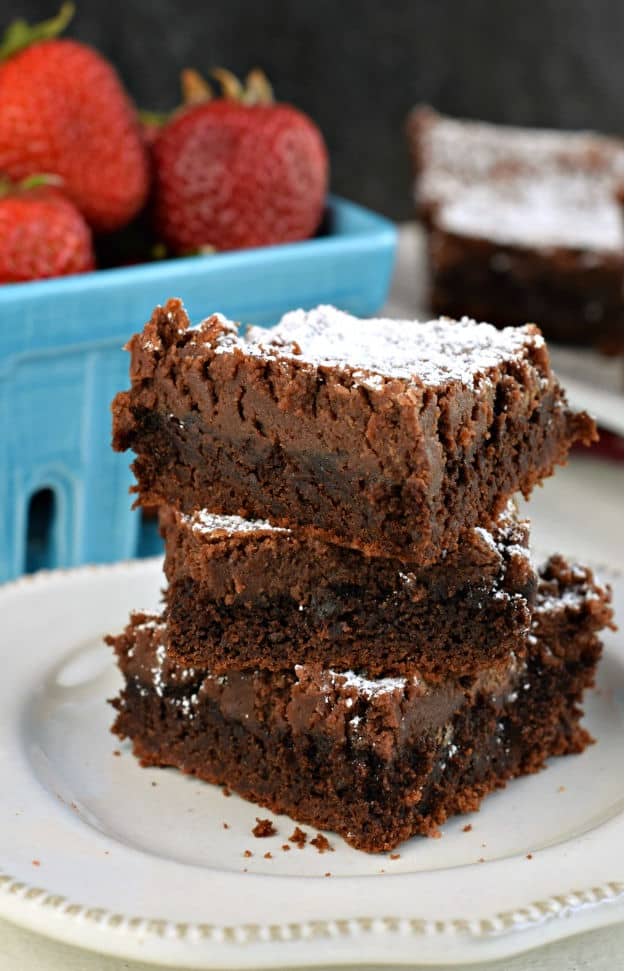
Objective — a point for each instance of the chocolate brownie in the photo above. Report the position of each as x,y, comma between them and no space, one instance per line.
245,594
377,760
523,224
388,436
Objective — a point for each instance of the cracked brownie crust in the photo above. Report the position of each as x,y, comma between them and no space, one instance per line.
387,436
377,760
246,594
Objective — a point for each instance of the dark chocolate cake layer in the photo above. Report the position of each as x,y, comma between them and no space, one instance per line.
245,594
377,760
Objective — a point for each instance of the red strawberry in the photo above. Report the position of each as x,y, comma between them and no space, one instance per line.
63,110
42,234
231,174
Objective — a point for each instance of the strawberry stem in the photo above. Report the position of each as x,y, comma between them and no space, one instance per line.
20,34
231,87
8,187
258,90
255,91
195,90
149,117
35,181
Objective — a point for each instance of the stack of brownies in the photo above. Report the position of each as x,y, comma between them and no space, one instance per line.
353,632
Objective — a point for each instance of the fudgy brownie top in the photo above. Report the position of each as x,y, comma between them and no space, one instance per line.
528,187
380,712
430,354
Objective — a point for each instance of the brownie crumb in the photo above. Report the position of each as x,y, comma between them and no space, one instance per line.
299,837
481,860
467,828
323,845
561,788
328,874
286,847
268,856
226,792
247,853
36,862
394,856
263,828
155,783
529,857
116,752
226,825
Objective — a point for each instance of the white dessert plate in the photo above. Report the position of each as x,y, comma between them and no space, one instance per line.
97,852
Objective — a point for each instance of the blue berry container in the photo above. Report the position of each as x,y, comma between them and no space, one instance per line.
63,492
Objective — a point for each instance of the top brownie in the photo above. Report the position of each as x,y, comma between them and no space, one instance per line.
383,435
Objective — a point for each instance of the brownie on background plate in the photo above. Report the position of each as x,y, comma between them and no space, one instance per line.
378,760
388,436
245,594
523,225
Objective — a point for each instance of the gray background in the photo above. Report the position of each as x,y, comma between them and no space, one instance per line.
358,65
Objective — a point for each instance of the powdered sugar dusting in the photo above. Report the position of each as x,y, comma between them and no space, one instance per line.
186,704
430,353
537,213
488,538
206,522
157,670
571,598
152,623
365,687
518,186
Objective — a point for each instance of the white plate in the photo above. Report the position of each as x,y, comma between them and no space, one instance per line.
100,853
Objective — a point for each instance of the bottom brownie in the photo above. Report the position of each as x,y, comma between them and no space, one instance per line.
378,760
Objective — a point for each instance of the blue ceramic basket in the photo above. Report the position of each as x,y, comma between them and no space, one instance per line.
63,492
